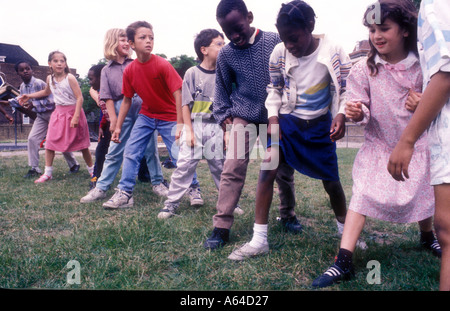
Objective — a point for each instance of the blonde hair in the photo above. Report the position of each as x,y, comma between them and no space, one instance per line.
111,43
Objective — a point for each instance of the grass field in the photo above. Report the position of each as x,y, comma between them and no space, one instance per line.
44,227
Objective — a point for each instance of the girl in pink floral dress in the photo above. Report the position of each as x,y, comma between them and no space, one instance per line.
383,92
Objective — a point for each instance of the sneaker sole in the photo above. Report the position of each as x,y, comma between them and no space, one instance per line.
113,207
90,200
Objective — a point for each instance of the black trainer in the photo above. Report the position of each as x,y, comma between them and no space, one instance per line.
291,225
433,246
333,275
218,238
75,168
32,173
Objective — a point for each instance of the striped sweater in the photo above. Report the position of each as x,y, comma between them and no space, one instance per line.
242,76
279,99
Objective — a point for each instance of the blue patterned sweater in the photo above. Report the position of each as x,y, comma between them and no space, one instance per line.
242,76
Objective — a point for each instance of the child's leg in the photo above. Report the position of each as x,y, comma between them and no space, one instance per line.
87,157
354,223
337,199
264,190
442,225
49,156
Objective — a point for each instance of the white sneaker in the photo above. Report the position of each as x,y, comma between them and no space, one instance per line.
161,190
195,196
247,251
93,195
238,210
168,211
120,199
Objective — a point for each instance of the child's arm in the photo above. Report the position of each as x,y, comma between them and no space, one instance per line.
434,97
190,137
124,108
79,96
7,116
43,93
94,95
177,96
413,100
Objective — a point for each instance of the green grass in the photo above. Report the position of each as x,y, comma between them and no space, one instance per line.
43,227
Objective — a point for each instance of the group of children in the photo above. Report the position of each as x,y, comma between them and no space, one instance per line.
303,87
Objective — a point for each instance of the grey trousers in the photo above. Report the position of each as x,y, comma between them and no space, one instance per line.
37,135
235,171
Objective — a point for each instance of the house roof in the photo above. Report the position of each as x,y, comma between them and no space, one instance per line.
14,53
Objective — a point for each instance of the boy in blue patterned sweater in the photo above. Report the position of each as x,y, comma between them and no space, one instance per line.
242,75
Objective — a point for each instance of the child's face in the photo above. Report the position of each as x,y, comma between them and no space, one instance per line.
58,63
236,27
93,80
388,39
299,42
143,41
25,72
213,49
123,48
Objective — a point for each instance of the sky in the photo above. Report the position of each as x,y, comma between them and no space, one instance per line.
77,28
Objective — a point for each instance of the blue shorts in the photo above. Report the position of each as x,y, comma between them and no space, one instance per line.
307,147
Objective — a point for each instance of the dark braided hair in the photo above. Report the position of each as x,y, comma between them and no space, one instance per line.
296,14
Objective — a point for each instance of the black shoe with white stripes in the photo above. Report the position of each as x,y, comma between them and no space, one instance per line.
433,246
333,275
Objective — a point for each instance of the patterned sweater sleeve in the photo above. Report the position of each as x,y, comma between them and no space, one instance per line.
276,86
358,88
221,108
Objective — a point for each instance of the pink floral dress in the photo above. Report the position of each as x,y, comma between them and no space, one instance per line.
375,193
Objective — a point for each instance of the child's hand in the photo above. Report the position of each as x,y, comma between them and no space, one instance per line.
74,122
100,134
115,136
226,132
10,119
23,99
413,100
354,111
337,127
178,132
190,138
399,161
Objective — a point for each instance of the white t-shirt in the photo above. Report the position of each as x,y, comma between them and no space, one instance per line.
313,87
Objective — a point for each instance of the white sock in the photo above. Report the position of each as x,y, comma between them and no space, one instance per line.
259,235
90,170
340,227
48,171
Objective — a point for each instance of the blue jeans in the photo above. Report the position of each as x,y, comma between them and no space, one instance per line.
115,155
137,143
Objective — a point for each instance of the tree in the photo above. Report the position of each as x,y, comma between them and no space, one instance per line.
89,105
182,63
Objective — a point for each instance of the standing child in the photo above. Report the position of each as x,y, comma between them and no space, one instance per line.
433,113
117,51
104,134
68,129
382,94
159,85
201,135
307,80
241,79
43,108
